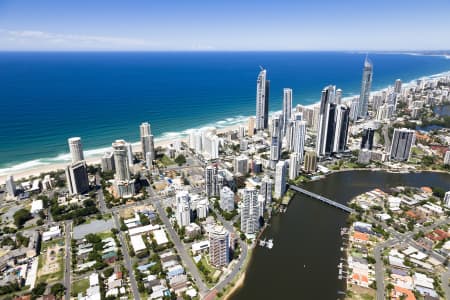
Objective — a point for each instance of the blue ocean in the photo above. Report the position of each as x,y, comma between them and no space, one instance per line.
50,96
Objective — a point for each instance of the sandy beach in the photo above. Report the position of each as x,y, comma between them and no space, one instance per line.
35,171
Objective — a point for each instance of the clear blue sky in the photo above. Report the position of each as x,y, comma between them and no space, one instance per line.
224,25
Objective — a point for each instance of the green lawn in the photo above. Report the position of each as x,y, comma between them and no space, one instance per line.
45,245
105,234
80,286
165,160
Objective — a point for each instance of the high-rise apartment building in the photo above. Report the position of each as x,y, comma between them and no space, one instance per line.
219,246
76,149
262,101
402,141
280,179
310,164
77,178
366,84
287,108
250,211
183,208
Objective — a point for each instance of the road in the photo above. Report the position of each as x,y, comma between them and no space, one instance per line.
404,238
445,283
127,258
68,262
379,267
185,257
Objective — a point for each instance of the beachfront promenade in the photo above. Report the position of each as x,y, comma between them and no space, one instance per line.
321,198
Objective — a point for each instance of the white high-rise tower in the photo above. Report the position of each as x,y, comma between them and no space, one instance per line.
366,85
287,107
262,101
76,149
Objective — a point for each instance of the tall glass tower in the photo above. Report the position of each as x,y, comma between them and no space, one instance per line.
366,84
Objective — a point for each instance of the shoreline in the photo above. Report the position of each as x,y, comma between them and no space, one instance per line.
237,285
27,171
36,171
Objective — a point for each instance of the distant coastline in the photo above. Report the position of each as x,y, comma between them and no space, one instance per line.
45,164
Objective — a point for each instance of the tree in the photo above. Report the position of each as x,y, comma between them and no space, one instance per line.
21,216
180,159
38,290
58,290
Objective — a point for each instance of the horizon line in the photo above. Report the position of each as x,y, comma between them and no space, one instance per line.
233,50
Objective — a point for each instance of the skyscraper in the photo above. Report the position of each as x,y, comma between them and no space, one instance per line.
287,108
183,210
262,101
280,179
108,162
398,86
251,126
276,140
327,98
293,165
367,138
121,160
77,178
402,141
144,129
130,155
219,246
213,181
341,122
298,137
338,96
241,164
266,189
10,186
332,134
310,165
250,211
147,142
366,84
226,199
123,184
76,149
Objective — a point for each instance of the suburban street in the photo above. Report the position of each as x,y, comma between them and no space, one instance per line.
68,260
127,258
379,267
187,260
404,238
445,283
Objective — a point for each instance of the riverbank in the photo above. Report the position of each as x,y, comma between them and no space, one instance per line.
237,285
308,240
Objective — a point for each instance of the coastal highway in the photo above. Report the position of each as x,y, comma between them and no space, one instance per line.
127,259
68,261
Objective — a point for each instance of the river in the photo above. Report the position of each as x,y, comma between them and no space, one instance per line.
303,262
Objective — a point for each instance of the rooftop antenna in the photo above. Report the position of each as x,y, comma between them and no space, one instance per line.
261,67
